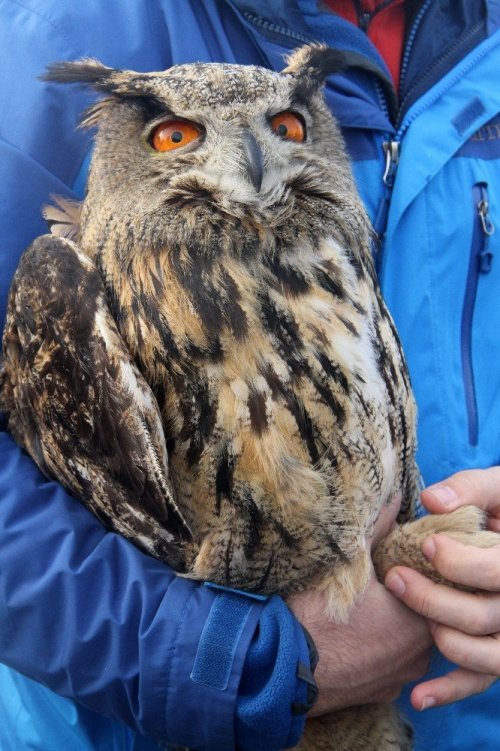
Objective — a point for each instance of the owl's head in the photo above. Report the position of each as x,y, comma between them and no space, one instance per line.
197,141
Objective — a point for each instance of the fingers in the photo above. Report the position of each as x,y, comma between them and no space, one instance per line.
480,654
449,688
465,625
466,629
476,487
494,523
468,565
472,613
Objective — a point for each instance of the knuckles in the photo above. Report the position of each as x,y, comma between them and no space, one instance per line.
485,619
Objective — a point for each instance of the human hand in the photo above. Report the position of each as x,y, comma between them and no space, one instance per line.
465,625
368,660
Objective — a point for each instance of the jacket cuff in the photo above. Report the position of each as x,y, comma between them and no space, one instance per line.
210,631
277,686
240,673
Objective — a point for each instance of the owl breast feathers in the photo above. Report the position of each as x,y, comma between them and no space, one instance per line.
207,362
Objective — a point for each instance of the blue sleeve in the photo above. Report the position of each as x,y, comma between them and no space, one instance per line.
88,615
82,611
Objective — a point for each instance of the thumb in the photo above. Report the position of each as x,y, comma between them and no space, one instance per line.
473,487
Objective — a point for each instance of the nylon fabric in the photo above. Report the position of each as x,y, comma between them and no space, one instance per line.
78,614
425,288
39,717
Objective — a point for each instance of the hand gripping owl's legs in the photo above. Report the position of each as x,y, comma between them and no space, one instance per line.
402,547
379,727
79,405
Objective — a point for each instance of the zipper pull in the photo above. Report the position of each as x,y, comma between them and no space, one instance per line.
483,208
485,258
391,151
364,20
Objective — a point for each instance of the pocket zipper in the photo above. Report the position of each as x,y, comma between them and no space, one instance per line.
480,261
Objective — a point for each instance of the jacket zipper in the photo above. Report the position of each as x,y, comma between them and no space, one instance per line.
365,17
391,151
291,38
480,261
282,31
392,148
409,46
419,86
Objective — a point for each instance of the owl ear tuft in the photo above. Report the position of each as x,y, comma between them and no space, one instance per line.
120,85
86,71
314,62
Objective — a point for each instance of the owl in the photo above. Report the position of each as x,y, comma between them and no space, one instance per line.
201,353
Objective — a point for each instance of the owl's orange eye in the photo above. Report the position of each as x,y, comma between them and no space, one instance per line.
289,126
173,134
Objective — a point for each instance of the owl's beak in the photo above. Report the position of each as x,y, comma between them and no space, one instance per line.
254,161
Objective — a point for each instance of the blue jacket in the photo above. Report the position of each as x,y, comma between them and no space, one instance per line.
128,649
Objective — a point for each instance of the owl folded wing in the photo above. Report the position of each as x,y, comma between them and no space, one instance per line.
79,405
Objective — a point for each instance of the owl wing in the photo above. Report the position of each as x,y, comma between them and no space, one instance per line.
79,405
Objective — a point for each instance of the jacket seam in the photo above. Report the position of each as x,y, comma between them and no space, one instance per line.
49,21
170,656
12,146
437,350
35,162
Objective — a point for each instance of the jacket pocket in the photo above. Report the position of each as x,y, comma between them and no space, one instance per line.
480,262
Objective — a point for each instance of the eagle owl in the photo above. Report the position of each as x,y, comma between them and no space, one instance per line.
203,355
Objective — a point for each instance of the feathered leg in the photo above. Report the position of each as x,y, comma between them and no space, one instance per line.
365,728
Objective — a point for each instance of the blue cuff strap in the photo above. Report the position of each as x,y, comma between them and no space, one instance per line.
220,638
213,630
222,588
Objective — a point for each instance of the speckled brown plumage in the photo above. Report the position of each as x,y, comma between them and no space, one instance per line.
205,359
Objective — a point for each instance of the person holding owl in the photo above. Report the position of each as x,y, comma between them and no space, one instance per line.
95,620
